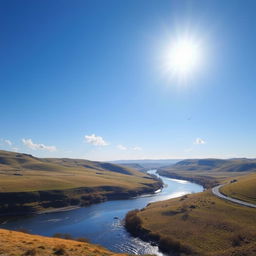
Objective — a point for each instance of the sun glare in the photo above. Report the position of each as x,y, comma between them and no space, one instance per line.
183,57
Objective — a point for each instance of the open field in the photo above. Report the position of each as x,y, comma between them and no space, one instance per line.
32,184
21,244
198,224
244,189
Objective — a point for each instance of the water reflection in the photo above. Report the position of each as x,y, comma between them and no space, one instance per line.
102,223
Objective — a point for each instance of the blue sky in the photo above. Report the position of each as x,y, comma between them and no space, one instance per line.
86,79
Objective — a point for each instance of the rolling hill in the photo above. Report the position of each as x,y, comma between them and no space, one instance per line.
209,172
215,165
31,184
200,224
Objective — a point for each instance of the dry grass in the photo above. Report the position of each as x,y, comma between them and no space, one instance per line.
244,189
24,173
204,223
19,244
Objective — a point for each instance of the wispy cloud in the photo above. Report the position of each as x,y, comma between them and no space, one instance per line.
8,142
121,147
137,148
199,141
95,140
30,144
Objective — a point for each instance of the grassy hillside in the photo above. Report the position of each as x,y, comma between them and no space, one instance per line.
198,224
244,189
209,172
216,165
35,183
20,244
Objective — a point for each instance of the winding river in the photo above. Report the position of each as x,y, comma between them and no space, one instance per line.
102,223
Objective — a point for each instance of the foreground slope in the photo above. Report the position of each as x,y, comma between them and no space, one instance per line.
19,244
29,184
198,224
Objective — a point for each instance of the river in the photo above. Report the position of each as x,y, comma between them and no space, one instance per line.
103,223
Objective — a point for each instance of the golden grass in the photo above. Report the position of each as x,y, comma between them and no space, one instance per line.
244,189
208,225
24,173
14,243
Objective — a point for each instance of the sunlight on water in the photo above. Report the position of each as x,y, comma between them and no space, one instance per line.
103,223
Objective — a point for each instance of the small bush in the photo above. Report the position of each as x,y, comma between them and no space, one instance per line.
184,216
59,250
167,244
133,222
30,252
237,239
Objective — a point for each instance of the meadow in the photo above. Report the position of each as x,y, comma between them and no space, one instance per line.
198,224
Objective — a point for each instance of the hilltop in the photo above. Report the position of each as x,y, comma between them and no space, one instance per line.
28,183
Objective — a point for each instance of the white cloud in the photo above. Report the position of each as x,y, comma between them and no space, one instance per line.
95,140
8,142
15,149
121,147
199,141
137,148
29,143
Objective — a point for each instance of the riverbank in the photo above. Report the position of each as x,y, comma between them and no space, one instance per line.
29,184
102,223
57,201
205,180
196,224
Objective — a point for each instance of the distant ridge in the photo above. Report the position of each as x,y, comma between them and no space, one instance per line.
217,165
146,163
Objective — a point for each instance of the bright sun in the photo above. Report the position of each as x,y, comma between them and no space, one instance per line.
183,57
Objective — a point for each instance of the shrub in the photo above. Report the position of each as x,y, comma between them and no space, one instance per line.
167,245
59,250
30,252
237,239
133,222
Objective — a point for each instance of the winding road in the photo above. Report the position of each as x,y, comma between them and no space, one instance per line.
216,192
